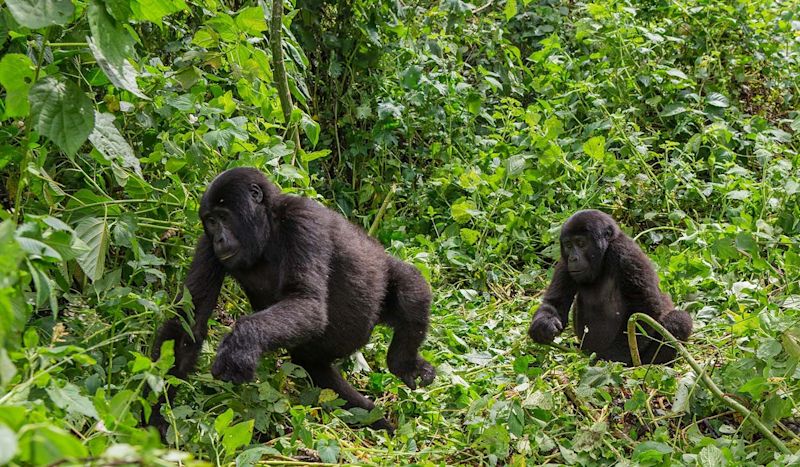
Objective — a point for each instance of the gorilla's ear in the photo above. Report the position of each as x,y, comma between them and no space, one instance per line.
608,232
256,193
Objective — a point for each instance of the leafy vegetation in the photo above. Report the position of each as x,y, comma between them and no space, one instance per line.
485,125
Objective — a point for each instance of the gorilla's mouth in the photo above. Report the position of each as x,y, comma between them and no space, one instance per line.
229,255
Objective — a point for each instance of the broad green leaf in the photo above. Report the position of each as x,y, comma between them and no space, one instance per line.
311,156
410,77
711,456
112,47
237,436
38,248
16,75
328,450
93,232
672,109
251,21
223,420
250,457
62,112
595,148
155,10
224,135
676,73
110,143
510,9
47,444
7,368
8,444
463,211
37,14
469,236
70,399
310,128
716,99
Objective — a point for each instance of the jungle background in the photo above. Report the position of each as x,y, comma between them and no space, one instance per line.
461,134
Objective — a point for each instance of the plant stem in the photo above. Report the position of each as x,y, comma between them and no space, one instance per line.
715,390
388,199
279,68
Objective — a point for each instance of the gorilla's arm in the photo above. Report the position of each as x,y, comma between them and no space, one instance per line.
302,314
204,282
552,316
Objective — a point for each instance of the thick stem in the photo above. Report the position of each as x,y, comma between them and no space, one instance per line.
715,390
279,68
375,223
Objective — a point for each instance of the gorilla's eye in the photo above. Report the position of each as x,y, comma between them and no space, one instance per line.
211,221
580,243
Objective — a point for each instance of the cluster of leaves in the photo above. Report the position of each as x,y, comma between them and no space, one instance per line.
493,122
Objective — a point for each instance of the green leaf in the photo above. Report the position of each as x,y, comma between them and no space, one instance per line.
328,450
310,128
110,143
37,14
93,232
463,211
70,399
250,457
595,148
711,456
716,99
410,77
223,420
155,10
510,9
672,109
251,21
62,112
16,75
237,436
469,236
312,156
7,369
112,47
45,445
8,444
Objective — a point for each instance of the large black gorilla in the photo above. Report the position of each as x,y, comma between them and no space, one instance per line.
610,278
318,285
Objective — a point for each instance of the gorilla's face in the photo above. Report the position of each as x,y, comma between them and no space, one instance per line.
234,219
583,255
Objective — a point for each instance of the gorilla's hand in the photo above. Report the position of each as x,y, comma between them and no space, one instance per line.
545,325
236,362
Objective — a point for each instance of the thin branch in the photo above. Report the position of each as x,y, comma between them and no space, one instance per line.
715,390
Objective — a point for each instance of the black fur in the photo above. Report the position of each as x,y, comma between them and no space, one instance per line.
610,278
318,285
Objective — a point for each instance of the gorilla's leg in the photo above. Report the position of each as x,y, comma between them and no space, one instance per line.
407,310
326,376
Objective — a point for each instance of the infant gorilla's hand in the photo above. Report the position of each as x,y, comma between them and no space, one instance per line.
235,362
545,326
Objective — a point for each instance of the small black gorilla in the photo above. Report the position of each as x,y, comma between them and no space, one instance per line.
318,283
610,278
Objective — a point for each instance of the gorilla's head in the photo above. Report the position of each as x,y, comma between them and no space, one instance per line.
584,239
235,210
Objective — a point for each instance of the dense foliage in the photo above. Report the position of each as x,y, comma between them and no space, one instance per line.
479,128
